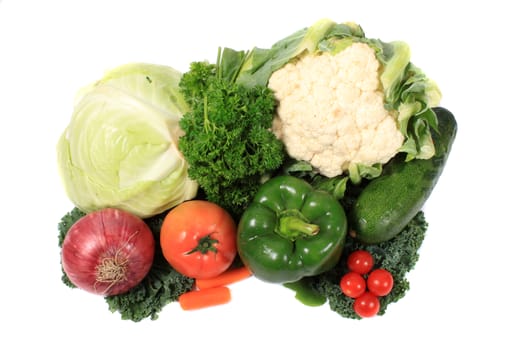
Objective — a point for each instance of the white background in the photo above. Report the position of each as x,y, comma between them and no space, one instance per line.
467,288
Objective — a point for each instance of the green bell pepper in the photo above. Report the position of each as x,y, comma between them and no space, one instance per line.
291,230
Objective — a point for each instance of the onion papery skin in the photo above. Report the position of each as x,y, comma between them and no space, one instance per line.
108,240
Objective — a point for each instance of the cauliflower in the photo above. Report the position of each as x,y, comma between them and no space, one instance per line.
346,103
331,110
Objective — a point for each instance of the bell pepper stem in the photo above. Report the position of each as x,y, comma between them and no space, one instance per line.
294,226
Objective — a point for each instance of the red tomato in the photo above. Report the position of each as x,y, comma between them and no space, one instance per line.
360,261
367,305
353,284
380,282
198,239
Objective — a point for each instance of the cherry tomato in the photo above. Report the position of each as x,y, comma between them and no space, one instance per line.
353,284
367,305
198,239
380,282
360,261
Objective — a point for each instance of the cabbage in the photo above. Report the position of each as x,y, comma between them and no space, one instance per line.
120,148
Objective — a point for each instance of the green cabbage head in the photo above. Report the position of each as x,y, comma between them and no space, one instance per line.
120,148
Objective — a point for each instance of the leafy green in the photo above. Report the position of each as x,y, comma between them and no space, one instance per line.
261,63
227,139
161,286
337,185
398,255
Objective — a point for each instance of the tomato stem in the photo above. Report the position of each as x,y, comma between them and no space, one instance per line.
206,244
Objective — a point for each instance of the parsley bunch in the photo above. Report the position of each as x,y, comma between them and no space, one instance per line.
227,140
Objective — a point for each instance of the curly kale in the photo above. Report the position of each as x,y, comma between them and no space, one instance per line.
398,255
161,286
227,139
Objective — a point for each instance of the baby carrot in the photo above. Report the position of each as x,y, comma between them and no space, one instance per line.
225,278
198,299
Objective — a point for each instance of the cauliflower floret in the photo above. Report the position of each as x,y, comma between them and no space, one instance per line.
331,111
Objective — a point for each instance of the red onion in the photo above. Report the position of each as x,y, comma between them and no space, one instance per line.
108,252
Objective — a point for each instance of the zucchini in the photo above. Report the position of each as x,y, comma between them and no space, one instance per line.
389,202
